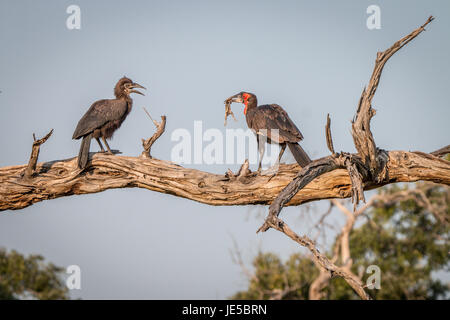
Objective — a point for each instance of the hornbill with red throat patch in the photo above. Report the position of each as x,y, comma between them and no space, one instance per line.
265,118
104,117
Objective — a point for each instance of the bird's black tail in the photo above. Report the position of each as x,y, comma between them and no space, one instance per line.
299,154
83,155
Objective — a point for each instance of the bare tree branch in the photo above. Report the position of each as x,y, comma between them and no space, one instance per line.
342,246
422,194
321,260
369,167
419,195
61,179
320,283
362,136
371,164
160,128
31,168
328,135
441,152
357,183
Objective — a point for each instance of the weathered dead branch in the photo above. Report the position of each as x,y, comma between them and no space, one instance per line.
341,249
31,168
61,179
328,135
322,260
362,135
357,181
420,194
369,166
441,152
147,143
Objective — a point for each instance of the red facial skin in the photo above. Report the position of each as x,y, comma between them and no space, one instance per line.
245,96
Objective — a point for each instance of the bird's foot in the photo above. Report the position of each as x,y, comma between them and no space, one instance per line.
270,172
111,152
271,176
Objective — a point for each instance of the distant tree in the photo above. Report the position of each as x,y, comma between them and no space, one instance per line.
406,234
274,279
30,278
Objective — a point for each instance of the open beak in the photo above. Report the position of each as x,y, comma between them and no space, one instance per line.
136,85
236,98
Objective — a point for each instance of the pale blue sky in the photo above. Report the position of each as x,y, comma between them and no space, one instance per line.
311,57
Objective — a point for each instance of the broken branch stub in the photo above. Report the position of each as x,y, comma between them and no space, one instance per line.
31,167
147,143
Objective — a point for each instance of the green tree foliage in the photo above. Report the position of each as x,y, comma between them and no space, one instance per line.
29,277
273,278
407,238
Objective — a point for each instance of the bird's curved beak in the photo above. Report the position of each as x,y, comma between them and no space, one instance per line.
236,98
136,85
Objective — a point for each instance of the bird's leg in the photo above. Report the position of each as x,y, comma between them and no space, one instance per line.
107,146
261,148
276,166
100,144
283,147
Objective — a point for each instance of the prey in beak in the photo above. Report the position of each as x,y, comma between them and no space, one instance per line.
248,99
237,98
241,97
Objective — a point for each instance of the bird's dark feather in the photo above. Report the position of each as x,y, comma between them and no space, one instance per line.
272,116
100,114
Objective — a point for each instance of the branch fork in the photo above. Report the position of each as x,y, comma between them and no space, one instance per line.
147,143
370,165
30,170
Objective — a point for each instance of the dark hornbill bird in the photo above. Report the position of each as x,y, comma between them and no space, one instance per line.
104,117
261,120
